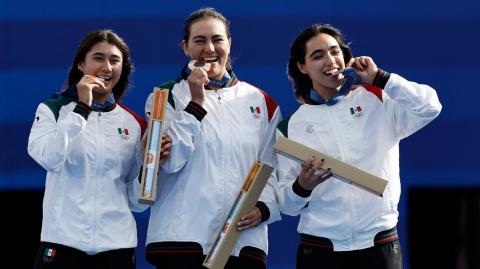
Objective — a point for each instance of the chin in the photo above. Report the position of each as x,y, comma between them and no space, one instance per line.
104,92
334,84
215,74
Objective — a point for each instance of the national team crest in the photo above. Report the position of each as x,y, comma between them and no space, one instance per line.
356,112
49,255
255,112
123,132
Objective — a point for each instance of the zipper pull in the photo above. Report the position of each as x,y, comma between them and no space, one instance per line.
219,97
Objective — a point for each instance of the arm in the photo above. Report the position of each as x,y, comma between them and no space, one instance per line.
132,181
50,139
266,208
291,196
182,127
268,156
411,105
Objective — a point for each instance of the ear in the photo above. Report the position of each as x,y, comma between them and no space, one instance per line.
185,48
301,67
81,66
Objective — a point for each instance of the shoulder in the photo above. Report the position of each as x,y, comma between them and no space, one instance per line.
270,104
56,104
297,116
170,85
370,90
141,122
283,125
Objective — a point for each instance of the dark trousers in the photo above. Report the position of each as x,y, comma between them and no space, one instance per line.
317,252
56,256
189,255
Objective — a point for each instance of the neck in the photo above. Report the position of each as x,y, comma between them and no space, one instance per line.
326,93
100,98
212,87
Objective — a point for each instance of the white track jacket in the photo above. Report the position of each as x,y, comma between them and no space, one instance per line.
209,161
92,169
363,129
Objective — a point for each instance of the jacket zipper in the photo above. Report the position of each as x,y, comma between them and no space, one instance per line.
341,149
96,178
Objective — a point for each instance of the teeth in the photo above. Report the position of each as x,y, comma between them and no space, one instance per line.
336,72
105,78
210,59
331,72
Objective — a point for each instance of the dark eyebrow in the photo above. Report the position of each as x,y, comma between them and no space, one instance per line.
204,37
321,50
315,52
199,37
101,54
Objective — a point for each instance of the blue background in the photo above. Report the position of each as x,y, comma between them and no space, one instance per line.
432,42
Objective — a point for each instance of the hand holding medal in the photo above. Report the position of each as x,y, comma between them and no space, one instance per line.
199,64
197,80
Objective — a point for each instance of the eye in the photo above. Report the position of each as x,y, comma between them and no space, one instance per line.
115,61
199,40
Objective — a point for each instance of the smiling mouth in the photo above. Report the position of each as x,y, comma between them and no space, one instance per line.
332,72
105,78
210,59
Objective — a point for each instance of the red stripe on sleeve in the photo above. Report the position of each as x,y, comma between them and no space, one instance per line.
375,90
271,104
140,120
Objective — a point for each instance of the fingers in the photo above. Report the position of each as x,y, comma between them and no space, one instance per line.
166,145
93,81
350,63
365,67
166,138
85,87
164,156
197,80
166,148
250,220
199,64
311,166
359,63
307,165
198,76
322,174
312,173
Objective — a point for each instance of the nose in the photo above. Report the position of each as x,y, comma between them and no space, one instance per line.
330,58
209,47
107,66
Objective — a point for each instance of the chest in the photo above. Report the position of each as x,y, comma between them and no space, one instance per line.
352,127
234,117
106,139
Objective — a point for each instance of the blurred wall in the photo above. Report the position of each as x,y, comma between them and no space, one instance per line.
432,42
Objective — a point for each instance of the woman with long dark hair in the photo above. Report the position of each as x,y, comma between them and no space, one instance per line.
90,146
